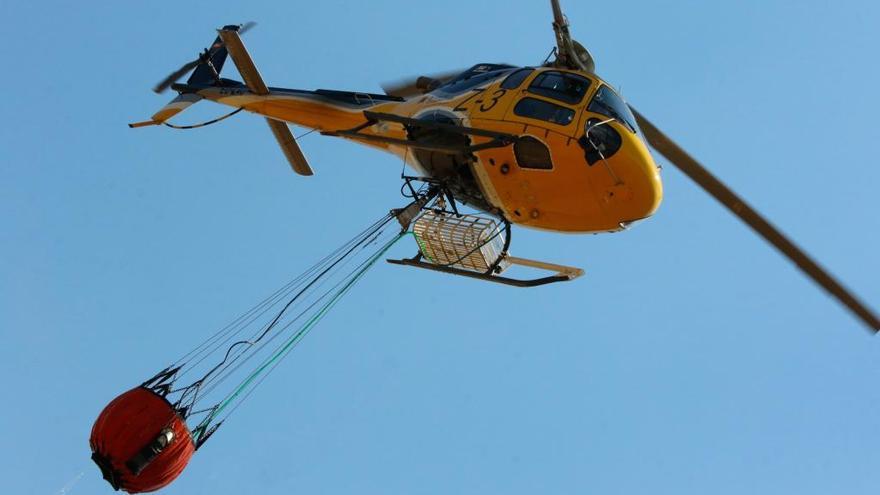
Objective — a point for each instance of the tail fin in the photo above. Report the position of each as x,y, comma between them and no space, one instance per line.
254,81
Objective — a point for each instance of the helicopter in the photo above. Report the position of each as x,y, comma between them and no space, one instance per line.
551,146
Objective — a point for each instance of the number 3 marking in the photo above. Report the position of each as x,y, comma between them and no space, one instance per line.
489,105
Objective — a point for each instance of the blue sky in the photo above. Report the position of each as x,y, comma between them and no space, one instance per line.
690,359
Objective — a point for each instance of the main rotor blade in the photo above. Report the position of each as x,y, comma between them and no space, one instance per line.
558,17
411,86
687,164
563,37
243,61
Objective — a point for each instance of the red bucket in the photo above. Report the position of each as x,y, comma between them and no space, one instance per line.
140,442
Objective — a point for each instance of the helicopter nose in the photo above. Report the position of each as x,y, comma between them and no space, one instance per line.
649,177
638,190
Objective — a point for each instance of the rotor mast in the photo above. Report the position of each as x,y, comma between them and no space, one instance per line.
569,53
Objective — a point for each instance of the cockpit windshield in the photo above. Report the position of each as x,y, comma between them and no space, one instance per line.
606,102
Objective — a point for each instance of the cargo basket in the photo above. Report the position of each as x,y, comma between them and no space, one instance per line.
467,242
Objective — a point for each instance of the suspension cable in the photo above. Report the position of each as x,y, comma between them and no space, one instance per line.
191,394
185,361
254,378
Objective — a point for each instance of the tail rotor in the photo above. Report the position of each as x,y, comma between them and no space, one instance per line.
211,58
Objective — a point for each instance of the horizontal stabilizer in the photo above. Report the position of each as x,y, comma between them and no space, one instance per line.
142,124
177,105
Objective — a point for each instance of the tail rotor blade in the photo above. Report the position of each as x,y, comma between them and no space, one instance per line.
246,27
174,76
717,189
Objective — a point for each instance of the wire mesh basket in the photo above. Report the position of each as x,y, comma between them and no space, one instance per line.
468,242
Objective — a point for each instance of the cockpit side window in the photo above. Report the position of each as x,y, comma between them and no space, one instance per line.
514,80
606,102
544,110
561,86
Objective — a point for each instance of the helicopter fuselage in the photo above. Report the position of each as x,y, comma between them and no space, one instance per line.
579,163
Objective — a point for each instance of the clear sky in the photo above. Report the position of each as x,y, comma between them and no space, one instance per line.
690,359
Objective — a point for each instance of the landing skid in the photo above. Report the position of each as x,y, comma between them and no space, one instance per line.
563,273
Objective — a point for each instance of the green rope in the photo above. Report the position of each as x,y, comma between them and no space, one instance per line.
203,427
422,247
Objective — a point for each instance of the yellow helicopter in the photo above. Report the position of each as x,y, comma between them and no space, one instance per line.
551,147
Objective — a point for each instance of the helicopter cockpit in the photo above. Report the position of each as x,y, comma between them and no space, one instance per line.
565,92
552,95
